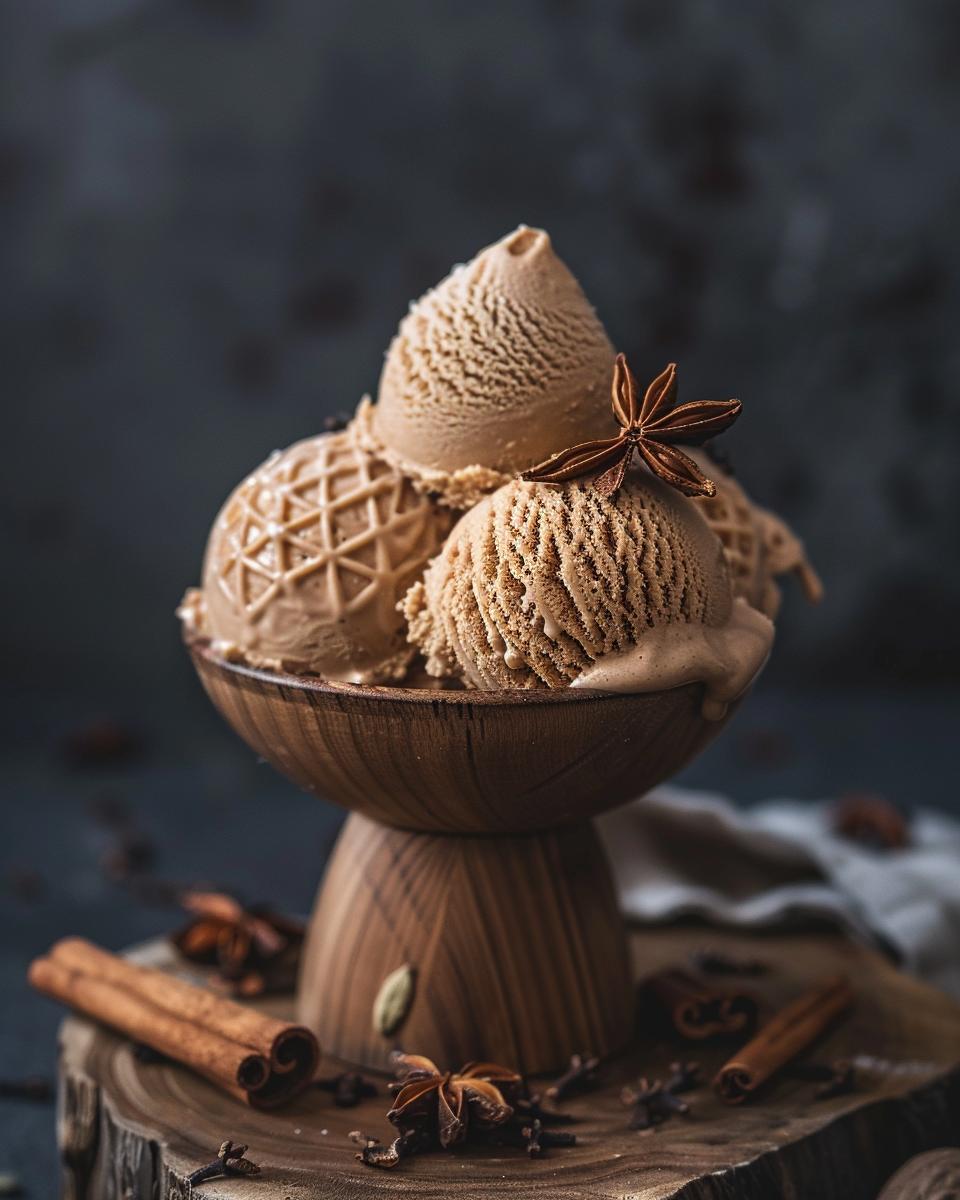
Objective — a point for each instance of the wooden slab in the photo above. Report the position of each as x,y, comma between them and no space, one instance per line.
132,1130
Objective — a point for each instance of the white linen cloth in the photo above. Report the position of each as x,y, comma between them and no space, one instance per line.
677,851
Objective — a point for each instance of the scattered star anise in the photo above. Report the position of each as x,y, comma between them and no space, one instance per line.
447,1102
254,949
651,429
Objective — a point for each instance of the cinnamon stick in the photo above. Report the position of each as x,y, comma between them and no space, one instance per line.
698,1010
783,1038
252,1056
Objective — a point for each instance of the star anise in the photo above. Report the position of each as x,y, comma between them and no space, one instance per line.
255,950
447,1102
650,429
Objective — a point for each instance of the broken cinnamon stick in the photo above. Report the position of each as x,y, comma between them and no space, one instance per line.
698,1010
253,1057
783,1038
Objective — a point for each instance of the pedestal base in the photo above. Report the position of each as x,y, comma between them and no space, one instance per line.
128,1128
518,947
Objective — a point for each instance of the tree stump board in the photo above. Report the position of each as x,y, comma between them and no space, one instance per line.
129,1130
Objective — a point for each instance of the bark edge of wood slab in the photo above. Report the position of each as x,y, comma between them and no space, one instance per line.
468,854
129,1128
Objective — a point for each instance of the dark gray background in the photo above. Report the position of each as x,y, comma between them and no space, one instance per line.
214,212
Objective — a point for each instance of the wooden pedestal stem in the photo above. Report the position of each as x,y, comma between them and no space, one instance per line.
518,947
468,855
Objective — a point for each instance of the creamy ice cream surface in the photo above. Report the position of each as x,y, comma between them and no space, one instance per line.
307,560
548,586
501,365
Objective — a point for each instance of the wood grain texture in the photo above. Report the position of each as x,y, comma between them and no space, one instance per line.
157,1123
460,762
519,948
931,1176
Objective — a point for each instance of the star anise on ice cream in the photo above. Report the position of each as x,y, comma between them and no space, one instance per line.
254,950
650,428
447,1103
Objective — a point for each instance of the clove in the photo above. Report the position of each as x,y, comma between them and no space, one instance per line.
374,1153
653,1103
578,1077
538,1139
229,1161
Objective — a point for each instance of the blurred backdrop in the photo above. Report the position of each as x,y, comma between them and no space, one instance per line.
213,214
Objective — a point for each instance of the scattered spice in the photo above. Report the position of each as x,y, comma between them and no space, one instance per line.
101,743
683,1077
653,1103
33,1088
348,1088
697,1010
254,949
229,1161
447,1102
650,429
374,1153
578,1077
393,1001
785,1036
870,820
483,1102
716,962
536,1139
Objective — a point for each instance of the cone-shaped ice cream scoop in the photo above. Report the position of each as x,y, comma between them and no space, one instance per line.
502,364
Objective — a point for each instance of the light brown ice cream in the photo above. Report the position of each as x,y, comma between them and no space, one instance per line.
548,586
498,367
758,545
307,560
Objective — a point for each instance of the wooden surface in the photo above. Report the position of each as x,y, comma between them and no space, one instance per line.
463,761
931,1176
127,1128
519,948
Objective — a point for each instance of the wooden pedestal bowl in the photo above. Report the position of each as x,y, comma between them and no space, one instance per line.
469,855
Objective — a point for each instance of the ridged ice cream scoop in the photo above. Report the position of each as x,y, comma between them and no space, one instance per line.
307,560
556,585
499,366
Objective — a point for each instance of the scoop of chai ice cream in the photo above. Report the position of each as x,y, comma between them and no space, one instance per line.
552,586
501,365
758,545
307,561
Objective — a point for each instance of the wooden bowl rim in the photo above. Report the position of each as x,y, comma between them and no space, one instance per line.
468,697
